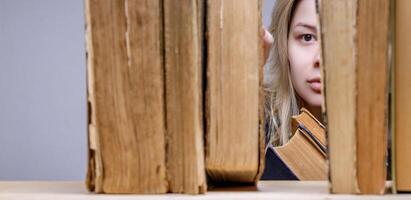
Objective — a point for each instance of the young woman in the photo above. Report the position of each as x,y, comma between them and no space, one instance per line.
292,72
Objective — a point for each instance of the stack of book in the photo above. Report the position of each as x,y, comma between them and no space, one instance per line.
175,97
169,106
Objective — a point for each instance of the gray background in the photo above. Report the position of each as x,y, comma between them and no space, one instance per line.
43,89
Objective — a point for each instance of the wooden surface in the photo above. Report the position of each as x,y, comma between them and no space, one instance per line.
265,190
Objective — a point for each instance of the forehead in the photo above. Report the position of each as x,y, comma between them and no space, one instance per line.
305,13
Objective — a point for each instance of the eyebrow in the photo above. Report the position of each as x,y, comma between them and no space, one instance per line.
311,27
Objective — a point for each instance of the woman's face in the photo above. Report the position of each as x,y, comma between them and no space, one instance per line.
304,53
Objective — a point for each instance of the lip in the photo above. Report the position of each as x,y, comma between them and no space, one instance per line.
315,84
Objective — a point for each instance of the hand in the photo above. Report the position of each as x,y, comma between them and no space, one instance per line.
268,42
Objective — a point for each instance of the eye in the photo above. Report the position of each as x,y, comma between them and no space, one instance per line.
308,37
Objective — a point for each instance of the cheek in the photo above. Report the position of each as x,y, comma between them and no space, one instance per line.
300,57
299,64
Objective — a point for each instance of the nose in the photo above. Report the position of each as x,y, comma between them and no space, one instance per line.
317,57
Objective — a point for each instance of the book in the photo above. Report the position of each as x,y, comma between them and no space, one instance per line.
234,94
183,33
401,118
304,157
126,133
355,77
306,154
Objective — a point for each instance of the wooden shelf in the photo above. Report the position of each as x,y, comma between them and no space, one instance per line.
55,190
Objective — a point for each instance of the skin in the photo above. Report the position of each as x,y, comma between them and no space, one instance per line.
268,42
304,56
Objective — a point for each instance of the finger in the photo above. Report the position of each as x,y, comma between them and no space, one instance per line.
268,42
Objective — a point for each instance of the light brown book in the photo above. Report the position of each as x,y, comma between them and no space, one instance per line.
234,137
183,21
305,155
126,97
355,75
401,97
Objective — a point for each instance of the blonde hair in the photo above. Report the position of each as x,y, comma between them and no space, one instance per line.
281,100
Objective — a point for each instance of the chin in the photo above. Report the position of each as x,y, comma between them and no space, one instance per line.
315,100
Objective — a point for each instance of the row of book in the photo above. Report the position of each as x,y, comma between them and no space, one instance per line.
175,94
366,71
176,100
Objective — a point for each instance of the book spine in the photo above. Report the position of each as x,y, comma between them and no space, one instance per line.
372,95
402,96
184,78
338,30
126,92
233,90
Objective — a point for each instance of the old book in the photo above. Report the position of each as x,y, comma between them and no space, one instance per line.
126,97
304,157
401,97
305,154
355,42
183,21
234,132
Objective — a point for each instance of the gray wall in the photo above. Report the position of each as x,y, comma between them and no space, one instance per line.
43,89
267,9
